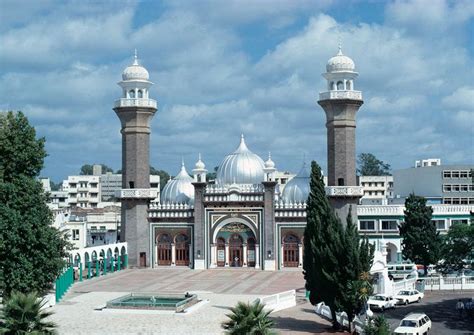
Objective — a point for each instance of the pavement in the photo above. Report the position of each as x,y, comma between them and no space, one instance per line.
221,289
440,306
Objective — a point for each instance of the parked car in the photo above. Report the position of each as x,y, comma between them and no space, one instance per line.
381,302
408,296
418,323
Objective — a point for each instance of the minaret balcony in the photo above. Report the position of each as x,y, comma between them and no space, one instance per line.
344,191
140,102
137,193
336,95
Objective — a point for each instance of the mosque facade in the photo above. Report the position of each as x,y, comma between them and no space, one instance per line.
242,219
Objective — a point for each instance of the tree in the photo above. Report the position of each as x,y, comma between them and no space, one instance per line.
369,165
327,245
164,176
88,169
458,247
420,240
24,314
32,252
248,318
55,186
377,326
210,176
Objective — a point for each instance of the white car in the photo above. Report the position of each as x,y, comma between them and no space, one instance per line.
418,324
381,302
408,296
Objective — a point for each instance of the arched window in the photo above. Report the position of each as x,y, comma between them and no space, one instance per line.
131,94
340,86
348,85
140,94
333,86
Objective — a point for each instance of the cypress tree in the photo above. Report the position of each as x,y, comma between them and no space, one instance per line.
334,258
420,240
32,252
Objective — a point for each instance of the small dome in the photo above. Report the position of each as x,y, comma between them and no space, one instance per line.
297,189
269,164
340,63
135,71
240,167
179,190
200,164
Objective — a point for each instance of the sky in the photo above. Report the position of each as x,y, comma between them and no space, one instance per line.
222,68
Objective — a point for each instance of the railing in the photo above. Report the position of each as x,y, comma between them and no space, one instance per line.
355,95
345,191
137,193
135,103
407,284
449,283
279,301
398,210
64,282
169,206
242,188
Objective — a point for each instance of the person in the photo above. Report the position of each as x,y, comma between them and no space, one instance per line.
460,307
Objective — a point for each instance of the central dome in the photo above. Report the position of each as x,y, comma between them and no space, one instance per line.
178,190
297,189
240,167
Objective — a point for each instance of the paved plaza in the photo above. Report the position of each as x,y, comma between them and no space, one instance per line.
220,288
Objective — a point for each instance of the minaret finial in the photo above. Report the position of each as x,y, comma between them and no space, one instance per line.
199,156
182,161
135,58
269,155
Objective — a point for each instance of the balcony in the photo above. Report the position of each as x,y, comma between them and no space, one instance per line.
344,191
135,103
353,95
137,193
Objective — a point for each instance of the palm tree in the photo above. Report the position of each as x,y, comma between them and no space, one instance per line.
250,319
24,314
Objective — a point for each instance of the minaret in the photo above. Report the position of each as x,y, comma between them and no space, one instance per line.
200,256
341,103
135,110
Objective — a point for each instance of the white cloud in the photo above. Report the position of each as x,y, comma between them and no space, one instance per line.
463,97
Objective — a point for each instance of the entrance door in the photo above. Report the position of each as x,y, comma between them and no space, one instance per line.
220,252
290,251
235,250
164,249
182,250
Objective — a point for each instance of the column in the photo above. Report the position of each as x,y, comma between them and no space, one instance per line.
300,255
227,255
173,254
155,255
282,256
213,255
245,255
257,256
191,255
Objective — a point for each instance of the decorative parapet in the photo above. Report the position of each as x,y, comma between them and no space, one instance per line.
353,95
137,193
171,214
233,197
290,213
344,191
398,210
156,206
290,210
136,103
240,188
290,205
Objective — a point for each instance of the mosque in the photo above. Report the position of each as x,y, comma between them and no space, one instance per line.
243,219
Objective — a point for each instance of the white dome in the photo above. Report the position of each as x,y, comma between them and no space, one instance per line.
269,164
340,63
240,167
179,190
135,72
297,189
200,164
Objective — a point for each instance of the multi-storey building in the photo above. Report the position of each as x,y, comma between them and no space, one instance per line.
377,189
111,183
439,184
83,191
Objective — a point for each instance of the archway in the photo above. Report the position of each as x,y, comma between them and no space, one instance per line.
290,250
164,249
77,260
182,249
392,256
235,250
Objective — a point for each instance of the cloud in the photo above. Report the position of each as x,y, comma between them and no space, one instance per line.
463,97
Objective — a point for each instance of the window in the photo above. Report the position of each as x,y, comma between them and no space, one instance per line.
456,188
131,94
140,94
459,221
464,201
446,174
456,201
366,225
471,188
440,224
75,234
93,227
463,174
348,84
464,188
389,225
447,188
454,174
340,86
102,228
448,201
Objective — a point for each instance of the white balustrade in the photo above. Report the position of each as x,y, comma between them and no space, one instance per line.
135,103
354,95
137,193
345,191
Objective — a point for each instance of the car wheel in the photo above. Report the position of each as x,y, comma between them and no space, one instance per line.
406,302
419,299
382,309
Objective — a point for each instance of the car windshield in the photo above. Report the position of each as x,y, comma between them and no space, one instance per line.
403,293
408,323
377,297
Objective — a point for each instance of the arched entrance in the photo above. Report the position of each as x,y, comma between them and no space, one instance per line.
182,250
164,249
235,250
290,251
